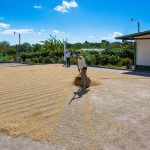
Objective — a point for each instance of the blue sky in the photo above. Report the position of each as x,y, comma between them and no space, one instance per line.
77,20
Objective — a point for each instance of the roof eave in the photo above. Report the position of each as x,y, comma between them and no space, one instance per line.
133,36
124,38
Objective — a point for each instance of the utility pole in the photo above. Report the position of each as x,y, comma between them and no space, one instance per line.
65,42
138,22
19,40
138,26
17,47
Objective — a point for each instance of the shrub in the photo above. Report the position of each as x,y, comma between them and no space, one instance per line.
23,56
125,53
89,59
97,59
6,58
104,59
47,60
53,61
41,59
35,60
108,52
126,62
36,55
113,60
11,52
73,60
44,53
61,60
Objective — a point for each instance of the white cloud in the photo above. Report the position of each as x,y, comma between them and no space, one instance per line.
115,34
111,37
71,4
37,6
4,25
91,36
65,6
39,33
61,9
21,31
56,31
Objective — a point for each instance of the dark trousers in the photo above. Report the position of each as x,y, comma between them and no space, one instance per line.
84,77
68,62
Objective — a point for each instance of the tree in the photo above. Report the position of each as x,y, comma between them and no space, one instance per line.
25,47
12,51
53,45
105,44
37,47
104,41
4,46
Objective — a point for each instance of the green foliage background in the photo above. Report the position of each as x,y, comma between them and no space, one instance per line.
51,51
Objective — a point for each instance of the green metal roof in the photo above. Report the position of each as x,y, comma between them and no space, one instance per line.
133,36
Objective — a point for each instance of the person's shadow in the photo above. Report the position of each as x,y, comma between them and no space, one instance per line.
80,92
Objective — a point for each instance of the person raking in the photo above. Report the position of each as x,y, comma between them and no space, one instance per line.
82,68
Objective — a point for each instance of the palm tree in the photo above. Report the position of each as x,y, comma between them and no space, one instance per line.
53,45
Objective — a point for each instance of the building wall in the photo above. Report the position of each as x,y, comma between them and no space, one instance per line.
143,52
143,37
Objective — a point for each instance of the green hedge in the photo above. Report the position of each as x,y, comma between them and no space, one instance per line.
106,57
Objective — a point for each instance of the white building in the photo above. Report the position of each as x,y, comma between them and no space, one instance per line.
142,49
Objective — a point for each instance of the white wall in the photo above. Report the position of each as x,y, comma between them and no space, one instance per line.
143,52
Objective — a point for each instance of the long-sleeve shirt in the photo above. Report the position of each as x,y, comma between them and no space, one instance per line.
68,54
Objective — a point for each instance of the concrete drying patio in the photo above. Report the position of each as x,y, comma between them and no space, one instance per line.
4,65
113,114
